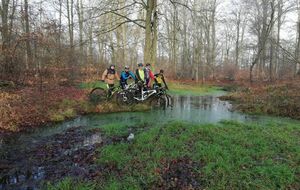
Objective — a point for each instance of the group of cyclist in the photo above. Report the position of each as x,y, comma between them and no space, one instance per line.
142,76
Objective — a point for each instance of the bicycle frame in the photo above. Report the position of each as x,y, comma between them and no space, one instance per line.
145,97
130,86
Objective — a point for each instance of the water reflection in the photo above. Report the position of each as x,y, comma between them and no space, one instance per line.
204,109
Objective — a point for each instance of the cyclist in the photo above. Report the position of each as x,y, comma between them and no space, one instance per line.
109,76
140,73
159,79
148,75
140,78
125,75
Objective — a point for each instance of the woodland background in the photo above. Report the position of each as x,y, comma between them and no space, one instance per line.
64,41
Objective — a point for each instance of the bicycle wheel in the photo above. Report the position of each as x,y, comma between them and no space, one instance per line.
125,98
159,102
97,95
170,100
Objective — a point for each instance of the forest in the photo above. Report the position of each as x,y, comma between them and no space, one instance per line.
201,40
149,94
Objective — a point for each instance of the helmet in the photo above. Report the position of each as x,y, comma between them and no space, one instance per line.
112,66
126,67
148,64
140,65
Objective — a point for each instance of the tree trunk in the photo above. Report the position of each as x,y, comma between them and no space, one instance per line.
80,21
60,24
28,47
150,50
70,22
70,16
237,42
264,35
5,30
174,39
271,62
213,37
91,43
279,20
262,38
297,70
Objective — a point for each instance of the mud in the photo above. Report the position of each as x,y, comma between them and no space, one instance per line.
71,153
181,173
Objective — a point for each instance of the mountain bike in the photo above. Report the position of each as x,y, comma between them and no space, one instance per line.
158,97
99,95
126,96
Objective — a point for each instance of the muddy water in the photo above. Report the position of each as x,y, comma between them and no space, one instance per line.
68,149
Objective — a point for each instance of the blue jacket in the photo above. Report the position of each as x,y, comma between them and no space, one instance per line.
126,75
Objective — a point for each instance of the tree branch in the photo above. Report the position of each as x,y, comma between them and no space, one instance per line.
181,4
130,20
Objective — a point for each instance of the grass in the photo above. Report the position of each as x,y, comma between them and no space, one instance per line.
121,130
69,184
115,129
192,89
227,155
175,88
90,85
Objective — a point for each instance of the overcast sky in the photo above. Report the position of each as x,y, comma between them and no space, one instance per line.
288,29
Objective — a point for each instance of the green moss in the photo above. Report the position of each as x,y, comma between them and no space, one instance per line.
57,117
67,103
61,115
86,106
69,113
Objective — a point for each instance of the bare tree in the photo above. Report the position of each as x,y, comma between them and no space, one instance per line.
263,25
298,38
80,21
70,17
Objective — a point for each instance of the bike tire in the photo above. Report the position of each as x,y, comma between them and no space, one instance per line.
159,102
125,98
98,95
170,100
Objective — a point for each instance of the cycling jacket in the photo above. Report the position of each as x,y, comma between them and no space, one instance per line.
126,75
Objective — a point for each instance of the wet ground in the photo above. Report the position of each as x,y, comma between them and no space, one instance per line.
180,174
67,154
30,159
